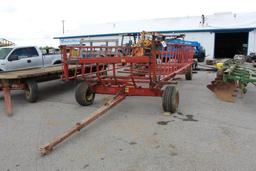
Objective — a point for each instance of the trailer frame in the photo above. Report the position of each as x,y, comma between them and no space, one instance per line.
124,73
19,80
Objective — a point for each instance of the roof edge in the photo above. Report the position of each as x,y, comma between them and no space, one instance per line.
167,31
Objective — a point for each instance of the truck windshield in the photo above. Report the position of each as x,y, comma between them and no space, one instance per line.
4,52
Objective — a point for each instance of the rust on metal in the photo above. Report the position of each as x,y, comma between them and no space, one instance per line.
15,80
7,98
139,70
225,91
232,78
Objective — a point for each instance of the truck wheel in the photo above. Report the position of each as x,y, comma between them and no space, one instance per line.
201,57
170,99
189,73
84,94
31,91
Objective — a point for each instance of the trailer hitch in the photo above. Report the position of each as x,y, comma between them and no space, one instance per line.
46,149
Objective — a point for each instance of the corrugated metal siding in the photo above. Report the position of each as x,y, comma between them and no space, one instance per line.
205,34
205,38
213,23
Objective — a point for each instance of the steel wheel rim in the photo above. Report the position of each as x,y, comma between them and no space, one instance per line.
89,95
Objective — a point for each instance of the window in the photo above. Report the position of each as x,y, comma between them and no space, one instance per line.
25,52
4,52
32,52
20,53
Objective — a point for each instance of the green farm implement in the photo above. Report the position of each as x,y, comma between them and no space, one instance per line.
233,78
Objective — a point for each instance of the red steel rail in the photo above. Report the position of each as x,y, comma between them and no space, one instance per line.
126,70
117,70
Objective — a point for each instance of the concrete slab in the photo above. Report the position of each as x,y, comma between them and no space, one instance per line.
205,133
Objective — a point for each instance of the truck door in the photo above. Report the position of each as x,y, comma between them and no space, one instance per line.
23,58
34,59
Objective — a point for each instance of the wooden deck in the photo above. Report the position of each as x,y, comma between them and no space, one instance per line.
35,72
16,80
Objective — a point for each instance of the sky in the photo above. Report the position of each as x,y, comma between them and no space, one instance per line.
36,22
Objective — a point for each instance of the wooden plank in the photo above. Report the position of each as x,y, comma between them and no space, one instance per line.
19,74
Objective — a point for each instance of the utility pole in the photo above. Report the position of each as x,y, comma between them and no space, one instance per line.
63,26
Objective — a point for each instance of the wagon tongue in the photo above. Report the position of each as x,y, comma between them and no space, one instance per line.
225,91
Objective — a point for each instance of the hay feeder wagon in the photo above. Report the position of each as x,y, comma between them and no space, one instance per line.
141,70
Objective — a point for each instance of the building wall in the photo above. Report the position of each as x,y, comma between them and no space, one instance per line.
252,42
206,39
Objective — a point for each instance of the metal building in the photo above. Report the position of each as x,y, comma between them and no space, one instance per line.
222,34
5,42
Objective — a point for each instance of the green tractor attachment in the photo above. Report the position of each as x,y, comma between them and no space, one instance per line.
232,78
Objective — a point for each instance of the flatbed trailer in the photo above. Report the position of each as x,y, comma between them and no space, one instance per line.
27,80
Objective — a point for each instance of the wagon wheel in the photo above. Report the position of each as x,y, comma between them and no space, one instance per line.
84,94
189,73
31,91
170,99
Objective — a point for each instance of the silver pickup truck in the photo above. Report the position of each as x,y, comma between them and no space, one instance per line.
25,57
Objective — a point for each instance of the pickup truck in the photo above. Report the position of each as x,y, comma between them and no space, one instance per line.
25,57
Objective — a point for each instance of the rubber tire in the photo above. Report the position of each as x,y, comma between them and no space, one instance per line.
201,59
170,99
201,56
31,91
82,96
189,73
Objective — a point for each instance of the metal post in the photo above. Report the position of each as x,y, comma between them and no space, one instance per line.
63,26
7,98
65,75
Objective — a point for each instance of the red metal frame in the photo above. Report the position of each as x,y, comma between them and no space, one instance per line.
139,75
6,87
127,75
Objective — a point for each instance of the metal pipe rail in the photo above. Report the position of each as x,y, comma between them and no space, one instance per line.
119,70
